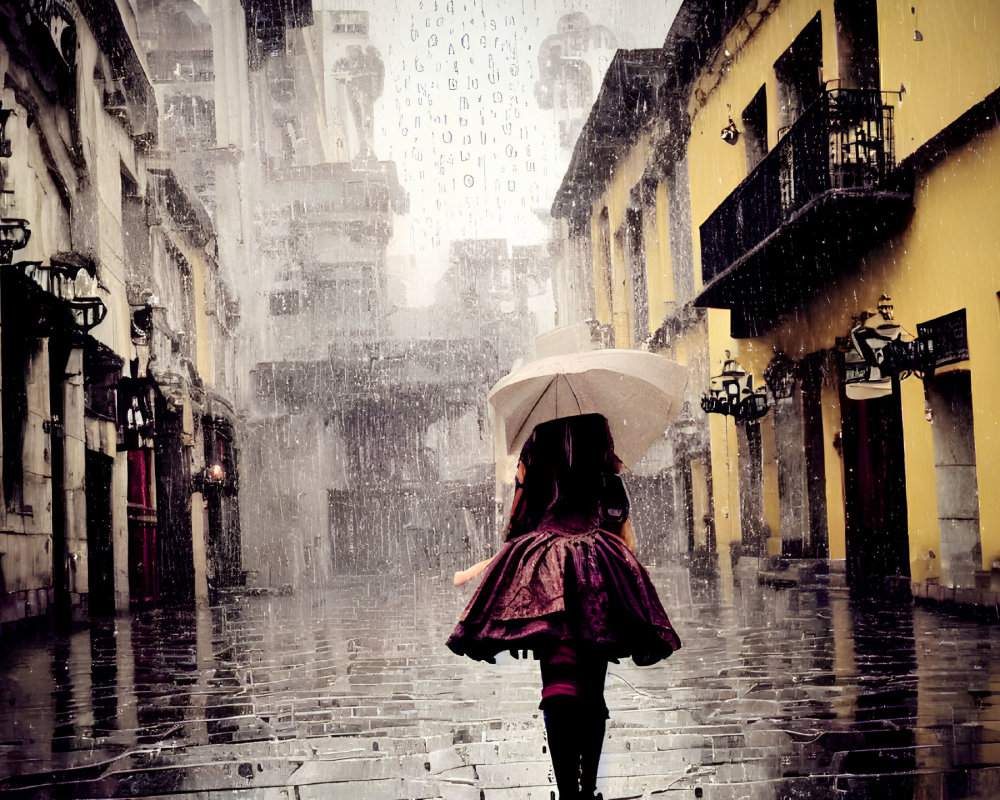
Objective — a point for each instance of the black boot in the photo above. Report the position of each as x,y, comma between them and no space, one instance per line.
591,745
562,727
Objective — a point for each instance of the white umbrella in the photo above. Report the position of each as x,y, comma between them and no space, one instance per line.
639,393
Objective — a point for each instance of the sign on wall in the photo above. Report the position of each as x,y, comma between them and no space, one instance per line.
950,336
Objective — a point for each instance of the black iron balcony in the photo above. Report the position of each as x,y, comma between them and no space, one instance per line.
823,195
50,301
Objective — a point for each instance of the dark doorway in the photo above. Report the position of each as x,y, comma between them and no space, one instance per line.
878,554
818,543
172,466
17,347
100,547
221,488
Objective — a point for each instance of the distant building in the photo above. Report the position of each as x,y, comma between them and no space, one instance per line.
571,63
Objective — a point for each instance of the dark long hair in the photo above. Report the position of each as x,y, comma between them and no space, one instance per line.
566,463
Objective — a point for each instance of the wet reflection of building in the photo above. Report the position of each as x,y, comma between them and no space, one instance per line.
104,676
883,756
958,707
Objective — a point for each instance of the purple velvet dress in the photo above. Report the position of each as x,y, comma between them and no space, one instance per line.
567,580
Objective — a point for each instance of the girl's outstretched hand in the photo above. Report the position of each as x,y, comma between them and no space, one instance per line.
467,575
628,535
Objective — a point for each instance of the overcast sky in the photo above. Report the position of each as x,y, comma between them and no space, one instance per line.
458,114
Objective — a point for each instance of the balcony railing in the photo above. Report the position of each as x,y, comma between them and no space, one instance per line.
55,298
843,141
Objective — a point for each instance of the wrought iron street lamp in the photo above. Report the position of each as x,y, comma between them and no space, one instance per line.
878,352
14,234
5,149
732,394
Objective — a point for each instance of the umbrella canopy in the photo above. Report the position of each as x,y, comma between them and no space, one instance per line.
639,393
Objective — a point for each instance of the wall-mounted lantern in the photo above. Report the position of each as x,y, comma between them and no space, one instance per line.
219,472
880,349
210,475
5,149
732,393
730,133
14,234
88,312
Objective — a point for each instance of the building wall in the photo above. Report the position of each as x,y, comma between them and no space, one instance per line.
83,129
671,486
942,261
659,261
572,274
70,206
620,311
954,66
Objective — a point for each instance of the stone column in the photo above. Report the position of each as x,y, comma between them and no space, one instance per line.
199,526
782,378
119,515
37,464
751,483
74,469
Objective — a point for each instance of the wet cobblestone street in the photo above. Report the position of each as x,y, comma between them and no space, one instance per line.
777,693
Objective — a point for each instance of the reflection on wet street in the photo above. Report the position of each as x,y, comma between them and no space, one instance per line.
779,693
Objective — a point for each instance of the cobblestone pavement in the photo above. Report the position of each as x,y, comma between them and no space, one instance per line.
777,693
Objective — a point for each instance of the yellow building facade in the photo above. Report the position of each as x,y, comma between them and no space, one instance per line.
860,167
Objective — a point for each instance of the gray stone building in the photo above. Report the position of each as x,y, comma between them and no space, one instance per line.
116,329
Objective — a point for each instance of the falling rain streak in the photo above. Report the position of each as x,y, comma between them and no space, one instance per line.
261,263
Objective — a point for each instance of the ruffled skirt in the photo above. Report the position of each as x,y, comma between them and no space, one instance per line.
551,585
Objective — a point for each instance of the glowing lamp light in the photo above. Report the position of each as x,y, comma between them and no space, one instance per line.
216,472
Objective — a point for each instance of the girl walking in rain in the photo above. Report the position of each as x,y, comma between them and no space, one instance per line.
566,585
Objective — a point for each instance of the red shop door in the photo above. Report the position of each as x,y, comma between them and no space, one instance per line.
143,560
